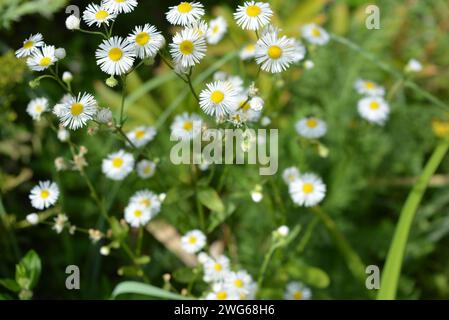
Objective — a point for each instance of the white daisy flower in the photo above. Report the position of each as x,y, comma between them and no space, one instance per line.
193,241
63,134
219,99
374,109
275,54
36,107
118,165
216,269
369,88
95,14
188,48
413,65
146,169
42,58
237,84
290,174
32,218
217,29
137,215
140,136
297,291
115,56
221,292
248,52
76,111
185,13
241,283
253,15
308,190
314,34
30,45
147,41
201,27
120,6
311,128
44,195
185,126
148,199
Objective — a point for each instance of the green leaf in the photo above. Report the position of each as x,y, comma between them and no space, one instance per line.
184,275
132,287
10,284
210,199
217,217
177,194
28,270
119,231
142,260
311,275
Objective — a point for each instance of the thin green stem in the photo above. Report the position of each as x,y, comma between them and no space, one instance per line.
307,235
392,269
264,267
122,105
94,32
139,241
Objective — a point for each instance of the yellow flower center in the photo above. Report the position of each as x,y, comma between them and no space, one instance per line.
253,11
138,213
117,162
45,62
291,177
44,194
374,105
101,15
215,29
76,109
184,7
115,54
147,170
274,52
140,134
312,123
186,47
250,47
192,240
120,1
217,97
238,283
222,295
188,126
142,38
316,32
370,85
28,45
39,109
146,202
297,295
218,267
307,187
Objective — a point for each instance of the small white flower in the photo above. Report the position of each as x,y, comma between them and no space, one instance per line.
148,199
315,34
32,218
44,195
76,111
283,231
120,6
217,29
140,136
30,45
147,41
60,53
311,128
219,99
185,13
221,292
104,115
241,284
105,250
253,15
36,107
115,56
63,134
290,175
67,77
42,58
60,222
137,215
186,127
95,14
248,52
369,88
216,269
309,190
413,65
257,103
374,110
118,165
201,27
146,169
265,121
308,64
275,54
256,193
72,22
188,48
193,241
297,291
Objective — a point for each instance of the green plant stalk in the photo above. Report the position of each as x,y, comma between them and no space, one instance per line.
392,269
352,259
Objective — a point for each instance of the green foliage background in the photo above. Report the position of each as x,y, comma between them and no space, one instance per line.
369,170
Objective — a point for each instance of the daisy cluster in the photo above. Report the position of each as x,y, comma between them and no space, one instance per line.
224,283
372,107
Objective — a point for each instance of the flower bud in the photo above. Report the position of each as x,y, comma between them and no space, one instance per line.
72,22
67,77
60,53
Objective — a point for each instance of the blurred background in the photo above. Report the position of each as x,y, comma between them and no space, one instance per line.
368,171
